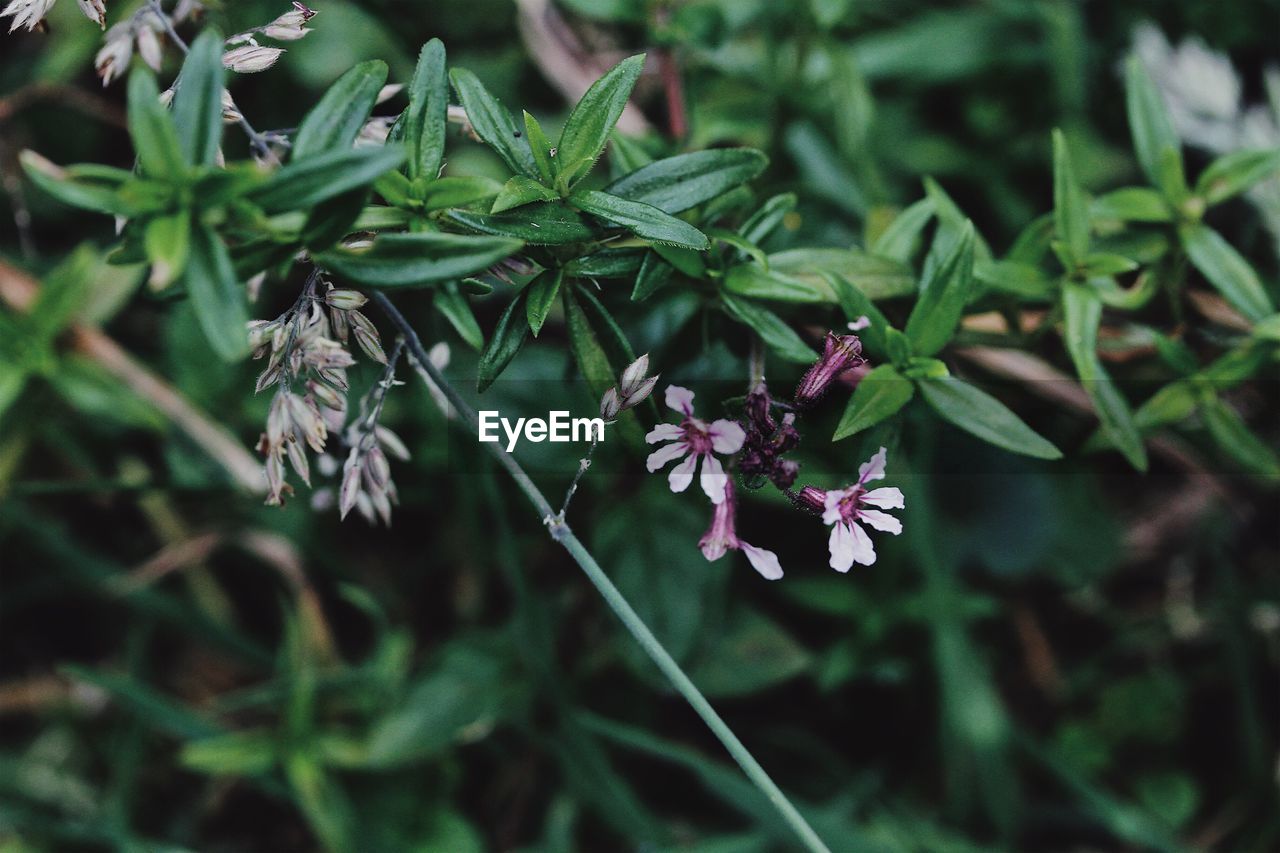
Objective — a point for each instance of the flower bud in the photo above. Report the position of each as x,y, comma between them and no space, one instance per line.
250,58
610,405
345,300
840,352
633,376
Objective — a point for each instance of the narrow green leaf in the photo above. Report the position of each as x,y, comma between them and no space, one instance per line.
743,245
1016,278
776,334
543,291
856,305
540,224
334,123
1233,173
101,194
334,218
507,339
1131,204
942,298
303,183
589,124
654,274
767,217
458,190
978,413
678,183
197,102
607,263
879,395
799,275
410,260
167,241
1171,404
519,191
450,302
63,292
1235,439
541,148
216,294
493,123
899,240
1154,140
1082,312
1106,264
1070,210
425,120
592,360
1227,271
641,219
151,128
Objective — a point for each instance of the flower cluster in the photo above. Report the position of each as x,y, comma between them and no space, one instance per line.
31,13
367,486
307,345
632,389
761,447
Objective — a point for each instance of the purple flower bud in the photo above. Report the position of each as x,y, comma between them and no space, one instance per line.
811,498
840,352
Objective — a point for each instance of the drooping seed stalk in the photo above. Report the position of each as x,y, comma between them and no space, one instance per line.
561,532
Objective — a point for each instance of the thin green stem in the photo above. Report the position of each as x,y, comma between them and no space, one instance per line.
561,532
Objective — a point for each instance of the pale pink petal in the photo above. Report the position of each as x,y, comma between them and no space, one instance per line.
680,399
881,521
663,455
764,562
887,497
859,324
682,475
726,436
713,547
873,468
841,547
864,553
713,479
664,432
831,505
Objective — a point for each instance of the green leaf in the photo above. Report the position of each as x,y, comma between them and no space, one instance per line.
1131,204
334,218
151,128
767,218
1227,271
641,219
856,305
216,294
1082,312
167,240
899,240
334,123
247,753
776,334
588,127
62,295
507,339
654,274
1070,210
450,302
458,190
425,120
543,291
592,360
1268,329
678,183
197,103
942,298
799,275
1171,404
1154,140
978,413
879,395
607,263
540,224
306,182
1104,264
98,191
493,123
519,191
410,260
1236,440
541,148
1233,173
746,247
1017,278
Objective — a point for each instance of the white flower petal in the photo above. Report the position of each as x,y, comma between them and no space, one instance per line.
841,547
881,521
663,455
680,399
664,432
682,475
714,479
864,553
831,505
764,562
726,436
873,468
887,497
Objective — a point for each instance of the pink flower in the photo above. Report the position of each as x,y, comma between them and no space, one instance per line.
721,537
844,508
695,439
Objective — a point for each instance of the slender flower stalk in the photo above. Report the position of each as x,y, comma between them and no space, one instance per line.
562,533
